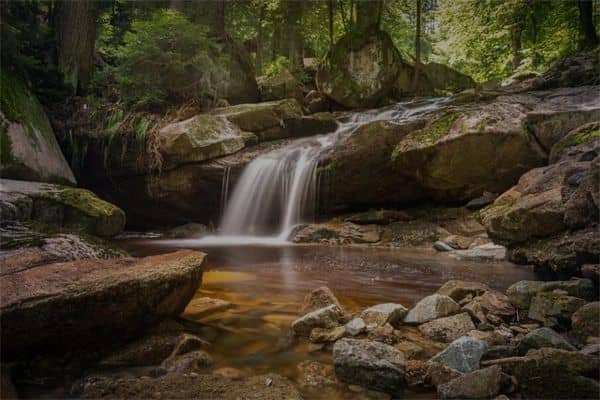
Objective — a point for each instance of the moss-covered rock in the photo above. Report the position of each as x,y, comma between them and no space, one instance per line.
581,142
360,69
57,205
29,149
586,321
281,86
554,308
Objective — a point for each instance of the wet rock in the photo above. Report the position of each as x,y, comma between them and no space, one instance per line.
336,233
458,290
521,293
483,252
188,362
124,296
441,246
543,337
326,318
203,306
320,335
586,321
356,326
190,386
378,217
463,354
459,242
314,373
554,309
448,329
381,314
371,364
484,383
186,231
319,298
591,350
430,308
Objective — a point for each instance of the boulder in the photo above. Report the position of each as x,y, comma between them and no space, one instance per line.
360,69
448,329
430,308
484,383
483,252
521,293
458,290
442,77
576,287
579,143
554,309
315,102
543,337
382,314
281,86
585,321
319,298
63,206
326,318
463,354
591,271
336,233
199,138
371,364
584,364
188,386
490,302
29,148
48,309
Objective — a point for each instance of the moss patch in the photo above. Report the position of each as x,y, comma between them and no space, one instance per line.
436,130
85,201
575,139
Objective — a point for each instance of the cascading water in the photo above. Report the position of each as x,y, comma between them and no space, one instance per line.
279,190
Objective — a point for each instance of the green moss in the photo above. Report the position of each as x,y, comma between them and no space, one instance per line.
85,201
575,139
436,130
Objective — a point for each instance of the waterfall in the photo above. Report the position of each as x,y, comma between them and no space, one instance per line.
278,190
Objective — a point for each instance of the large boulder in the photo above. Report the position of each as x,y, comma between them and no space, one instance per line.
283,85
442,77
29,149
58,205
371,364
78,304
360,69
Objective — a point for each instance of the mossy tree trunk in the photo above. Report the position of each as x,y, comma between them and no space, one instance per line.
588,39
368,14
260,39
417,47
76,39
218,18
295,42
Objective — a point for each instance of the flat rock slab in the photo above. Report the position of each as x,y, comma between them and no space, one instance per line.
63,306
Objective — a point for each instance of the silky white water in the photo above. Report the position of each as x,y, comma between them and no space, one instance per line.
279,190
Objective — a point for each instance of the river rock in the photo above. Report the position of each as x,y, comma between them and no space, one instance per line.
124,296
482,252
321,335
576,287
382,314
280,86
189,386
356,326
319,298
29,148
62,206
438,373
430,308
448,329
463,354
521,293
584,364
484,383
326,318
360,69
458,290
188,362
544,337
554,308
586,321
490,302
371,364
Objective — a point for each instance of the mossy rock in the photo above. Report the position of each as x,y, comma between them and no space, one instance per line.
579,141
260,117
586,321
29,149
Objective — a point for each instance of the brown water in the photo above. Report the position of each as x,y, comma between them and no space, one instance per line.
266,286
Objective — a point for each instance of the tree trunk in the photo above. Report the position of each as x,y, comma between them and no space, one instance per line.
260,38
330,14
588,39
217,22
76,39
516,45
367,14
295,41
417,47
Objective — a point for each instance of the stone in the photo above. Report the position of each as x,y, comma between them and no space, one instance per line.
124,296
430,308
463,354
543,337
586,321
490,303
240,86
381,314
315,102
520,293
356,326
201,307
326,317
482,252
500,351
190,230
554,309
458,290
370,364
441,246
584,364
438,373
443,77
336,233
591,271
410,349
320,335
384,334
319,298
188,362
484,383
491,338
448,329
576,287
314,373
280,86
29,148
186,343
151,350
189,386
459,242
